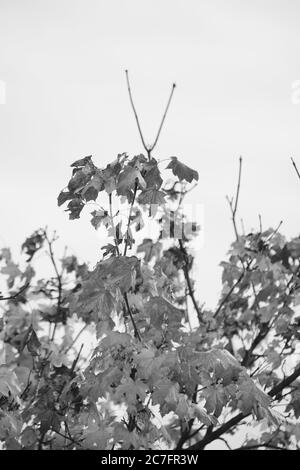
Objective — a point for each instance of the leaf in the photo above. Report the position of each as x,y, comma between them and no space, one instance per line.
118,272
12,271
152,175
82,161
78,181
127,180
33,344
182,171
250,397
74,208
215,399
8,382
160,310
152,196
92,188
63,197
150,249
100,217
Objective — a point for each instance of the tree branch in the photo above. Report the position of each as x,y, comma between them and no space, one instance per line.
128,223
58,277
274,392
148,149
136,331
234,206
14,296
296,169
135,114
164,117
188,280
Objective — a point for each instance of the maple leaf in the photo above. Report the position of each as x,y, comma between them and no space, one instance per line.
127,180
8,382
151,249
33,343
93,187
152,196
215,399
158,308
63,197
250,397
100,217
75,207
118,272
82,162
12,271
182,171
152,174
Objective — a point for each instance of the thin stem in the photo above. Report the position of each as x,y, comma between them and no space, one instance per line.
129,216
188,280
113,224
76,338
135,114
148,149
260,223
164,117
136,331
233,207
58,277
14,296
229,294
296,169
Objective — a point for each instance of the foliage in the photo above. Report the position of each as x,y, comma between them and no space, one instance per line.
151,381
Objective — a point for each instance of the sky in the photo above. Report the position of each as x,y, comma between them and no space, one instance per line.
234,62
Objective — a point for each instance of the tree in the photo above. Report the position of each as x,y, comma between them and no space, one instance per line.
151,381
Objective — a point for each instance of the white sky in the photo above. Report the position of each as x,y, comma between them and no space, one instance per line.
234,63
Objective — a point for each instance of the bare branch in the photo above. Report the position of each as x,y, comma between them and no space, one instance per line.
164,117
148,149
233,204
296,169
135,113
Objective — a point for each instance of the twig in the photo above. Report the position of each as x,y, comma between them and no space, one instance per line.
113,224
229,294
188,280
129,216
234,206
164,117
135,113
136,331
296,169
260,223
148,148
14,296
76,360
59,279
76,338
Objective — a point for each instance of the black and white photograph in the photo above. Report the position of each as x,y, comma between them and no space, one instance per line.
150,228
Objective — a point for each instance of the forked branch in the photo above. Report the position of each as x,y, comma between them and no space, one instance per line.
151,147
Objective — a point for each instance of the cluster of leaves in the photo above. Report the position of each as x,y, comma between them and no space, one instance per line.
151,381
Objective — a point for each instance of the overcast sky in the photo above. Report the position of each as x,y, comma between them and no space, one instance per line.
234,62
